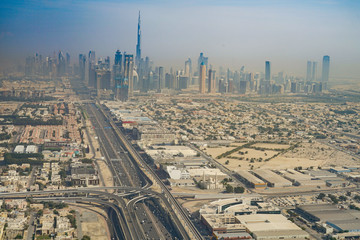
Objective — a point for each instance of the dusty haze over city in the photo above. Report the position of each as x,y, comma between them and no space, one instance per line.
231,33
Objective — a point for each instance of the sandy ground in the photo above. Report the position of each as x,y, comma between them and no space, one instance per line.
271,146
105,173
193,205
237,144
93,223
195,190
214,152
306,155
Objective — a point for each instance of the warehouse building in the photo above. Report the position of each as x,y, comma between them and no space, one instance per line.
272,179
271,226
250,180
300,179
225,226
339,219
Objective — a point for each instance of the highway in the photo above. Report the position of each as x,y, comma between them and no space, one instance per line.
126,172
190,230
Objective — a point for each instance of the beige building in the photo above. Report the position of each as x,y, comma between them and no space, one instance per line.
202,78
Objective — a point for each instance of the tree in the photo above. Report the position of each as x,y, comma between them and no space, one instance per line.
342,198
229,188
85,237
321,196
239,189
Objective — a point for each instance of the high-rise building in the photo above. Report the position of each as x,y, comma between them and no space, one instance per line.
212,81
118,58
202,59
61,64
308,71
67,68
325,69
128,89
117,73
161,79
138,45
188,70
267,71
82,62
202,77
103,79
314,71
91,75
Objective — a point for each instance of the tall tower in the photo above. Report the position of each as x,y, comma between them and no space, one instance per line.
117,73
138,45
82,62
267,71
325,69
314,71
128,77
211,81
202,77
308,71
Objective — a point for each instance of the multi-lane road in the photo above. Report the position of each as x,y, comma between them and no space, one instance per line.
126,171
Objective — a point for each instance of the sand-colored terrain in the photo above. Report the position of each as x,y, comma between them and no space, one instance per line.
306,155
214,152
194,205
271,146
105,174
94,225
252,153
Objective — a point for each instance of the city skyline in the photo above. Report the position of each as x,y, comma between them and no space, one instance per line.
287,58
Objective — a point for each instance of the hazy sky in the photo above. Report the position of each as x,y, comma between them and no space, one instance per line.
231,33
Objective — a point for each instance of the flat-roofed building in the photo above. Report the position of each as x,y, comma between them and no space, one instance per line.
250,180
19,149
271,226
31,149
320,174
339,219
152,134
222,223
301,179
272,179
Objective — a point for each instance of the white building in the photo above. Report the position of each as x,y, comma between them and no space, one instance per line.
19,149
176,173
31,149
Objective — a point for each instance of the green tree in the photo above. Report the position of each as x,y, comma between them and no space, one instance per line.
321,196
239,189
229,189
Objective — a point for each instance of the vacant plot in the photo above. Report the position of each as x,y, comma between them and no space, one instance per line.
271,146
214,152
249,153
93,225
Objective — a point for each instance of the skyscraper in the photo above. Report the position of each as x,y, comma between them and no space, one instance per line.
138,45
308,71
91,76
202,59
202,77
82,62
212,81
314,71
128,88
188,71
117,73
61,64
325,69
267,71
161,79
